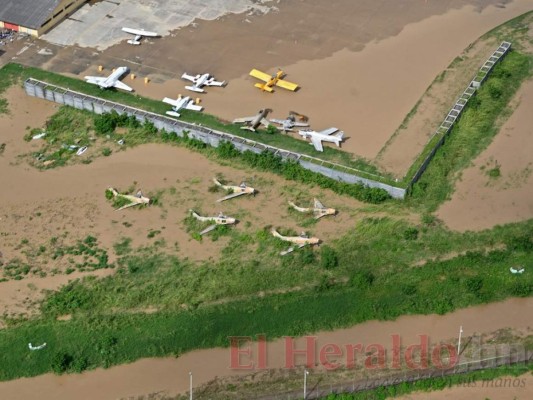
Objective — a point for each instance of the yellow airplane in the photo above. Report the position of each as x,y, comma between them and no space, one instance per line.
272,80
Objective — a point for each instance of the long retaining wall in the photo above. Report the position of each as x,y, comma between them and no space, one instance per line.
455,112
98,105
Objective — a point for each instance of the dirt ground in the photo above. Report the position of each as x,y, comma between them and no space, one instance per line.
481,201
171,375
69,202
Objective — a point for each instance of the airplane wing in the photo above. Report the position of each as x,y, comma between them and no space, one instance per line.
260,75
243,120
119,85
286,85
317,143
140,32
127,206
230,196
329,131
299,124
318,204
277,121
188,77
172,102
191,106
208,229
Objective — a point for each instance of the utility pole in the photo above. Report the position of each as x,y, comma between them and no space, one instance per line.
306,372
190,385
459,343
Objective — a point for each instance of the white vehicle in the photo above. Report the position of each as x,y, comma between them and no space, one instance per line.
139,33
253,122
319,210
221,219
300,241
111,81
289,123
236,191
327,135
200,81
180,103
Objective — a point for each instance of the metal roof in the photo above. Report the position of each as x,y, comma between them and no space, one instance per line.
27,13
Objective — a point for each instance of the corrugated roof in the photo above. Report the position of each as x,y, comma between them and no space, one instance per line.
27,13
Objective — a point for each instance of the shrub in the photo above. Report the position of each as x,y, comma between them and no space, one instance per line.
61,363
362,279
104,124
410,234
106,151
328,258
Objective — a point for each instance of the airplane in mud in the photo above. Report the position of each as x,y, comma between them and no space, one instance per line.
272,80
327,135
139,33
318,209
235,190
289,123
200,81
181,103
134,200
111,81
221,219
253,122
301,241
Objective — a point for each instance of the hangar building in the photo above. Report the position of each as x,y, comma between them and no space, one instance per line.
35,17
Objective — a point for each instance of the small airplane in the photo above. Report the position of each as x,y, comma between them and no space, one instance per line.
300,241
139,33
253,122
111,81
40,347
236,190
516,270
221,219
318,209
272,80
323,136
135,200
181,102
200,81
289,123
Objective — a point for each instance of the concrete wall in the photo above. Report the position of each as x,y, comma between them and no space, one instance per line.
213,138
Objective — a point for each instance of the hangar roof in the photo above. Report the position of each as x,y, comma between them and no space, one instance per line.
27,13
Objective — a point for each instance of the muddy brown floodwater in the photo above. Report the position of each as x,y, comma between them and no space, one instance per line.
171,375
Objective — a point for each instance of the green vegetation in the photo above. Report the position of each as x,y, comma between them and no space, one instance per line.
473,132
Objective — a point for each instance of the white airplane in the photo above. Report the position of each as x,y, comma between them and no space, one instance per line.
183,102
139,33
299,241
253,122
111,81
200,81
319,210
323,136
243,188
134,200
289,123
221,219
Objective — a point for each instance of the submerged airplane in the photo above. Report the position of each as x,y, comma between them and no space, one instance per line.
135,200
180,103
253,122
323,136
139,33
318,209
200,81
236,190
111,81
289,123
300,241
272,80
221,219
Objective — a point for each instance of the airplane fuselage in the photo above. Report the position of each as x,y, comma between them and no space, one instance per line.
299,240
257,120
325,138
115,76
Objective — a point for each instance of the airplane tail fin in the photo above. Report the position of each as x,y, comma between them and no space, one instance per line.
264,87
217,182
339,135
195,89
194,213
248,128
